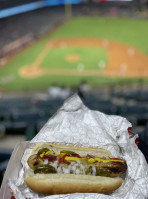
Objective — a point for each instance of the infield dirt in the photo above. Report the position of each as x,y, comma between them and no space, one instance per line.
123,60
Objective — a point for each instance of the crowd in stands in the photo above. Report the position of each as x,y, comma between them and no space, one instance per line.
34,24
41,21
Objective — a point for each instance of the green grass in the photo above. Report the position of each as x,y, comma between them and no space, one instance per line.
129,31
88,58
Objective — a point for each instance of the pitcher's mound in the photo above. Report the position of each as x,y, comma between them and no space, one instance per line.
72,57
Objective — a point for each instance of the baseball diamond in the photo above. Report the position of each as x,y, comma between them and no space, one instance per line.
104,54
124,60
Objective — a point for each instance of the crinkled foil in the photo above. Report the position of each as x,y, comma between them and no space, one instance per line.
75,124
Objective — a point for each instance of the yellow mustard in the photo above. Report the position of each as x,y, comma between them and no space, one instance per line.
47,153
73,158
92,160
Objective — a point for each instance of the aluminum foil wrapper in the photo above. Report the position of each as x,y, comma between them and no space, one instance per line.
75,124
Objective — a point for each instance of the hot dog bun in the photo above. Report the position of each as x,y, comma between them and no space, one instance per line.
63,183
71,183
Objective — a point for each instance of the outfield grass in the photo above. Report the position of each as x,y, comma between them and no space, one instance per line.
130,31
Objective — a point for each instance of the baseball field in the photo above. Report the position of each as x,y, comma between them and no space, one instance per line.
99,51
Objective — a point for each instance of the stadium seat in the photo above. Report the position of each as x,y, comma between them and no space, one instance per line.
143,97
4,158
30,132
15,127
144,134
143,141
137,114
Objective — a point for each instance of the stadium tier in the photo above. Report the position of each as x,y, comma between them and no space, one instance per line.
20,30
17,114
33,22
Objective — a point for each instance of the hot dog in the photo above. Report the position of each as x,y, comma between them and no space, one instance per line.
62,169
